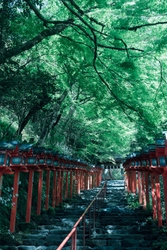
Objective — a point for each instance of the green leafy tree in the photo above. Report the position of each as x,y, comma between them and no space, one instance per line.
85,76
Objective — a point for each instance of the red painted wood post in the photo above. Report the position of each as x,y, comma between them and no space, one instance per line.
54,188
137,190
96,178
58,187
40,182
78,178
93,179
90,180
133,181
41,162
66,192
1,180
29,195
16,164
14,200
75,182
147,189
143,190
154,200
129,181
55,179
126,180
139,187
50,165
82,175
133,177
97,182
98,175
87,180
158,195
81,179
47,189
61,187
30,163
165,191
71,183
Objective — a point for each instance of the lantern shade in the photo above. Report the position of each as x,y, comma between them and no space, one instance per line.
48,150
55,163
145,152
154,162
160,143
41,161
31,160
67,164
16,160
144,163
152,147
2,159
49,161
162,161
148,162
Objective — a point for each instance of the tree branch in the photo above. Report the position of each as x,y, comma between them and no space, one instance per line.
31,43
134,28
41,17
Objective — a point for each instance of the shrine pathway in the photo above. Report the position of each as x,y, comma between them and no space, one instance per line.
117,227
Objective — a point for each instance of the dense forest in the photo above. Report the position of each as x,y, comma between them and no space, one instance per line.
87,78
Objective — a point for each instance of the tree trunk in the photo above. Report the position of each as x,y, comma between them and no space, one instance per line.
29,115
53,120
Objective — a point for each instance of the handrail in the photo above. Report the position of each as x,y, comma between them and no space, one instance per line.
73,231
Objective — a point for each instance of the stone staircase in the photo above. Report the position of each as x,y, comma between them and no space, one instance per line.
122,228
117,227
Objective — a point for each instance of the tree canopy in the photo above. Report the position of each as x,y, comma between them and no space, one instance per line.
87,78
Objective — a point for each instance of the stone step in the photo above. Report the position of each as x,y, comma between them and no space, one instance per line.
117,227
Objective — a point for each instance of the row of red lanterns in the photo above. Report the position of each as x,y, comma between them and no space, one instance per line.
143,170
155,155
20,159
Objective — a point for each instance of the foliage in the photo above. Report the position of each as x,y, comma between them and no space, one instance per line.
132,200
86,78
160,245
117,174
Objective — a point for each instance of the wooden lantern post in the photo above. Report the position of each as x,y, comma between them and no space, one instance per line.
17,165
155,153
54,192
49,163
41,162
30,162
